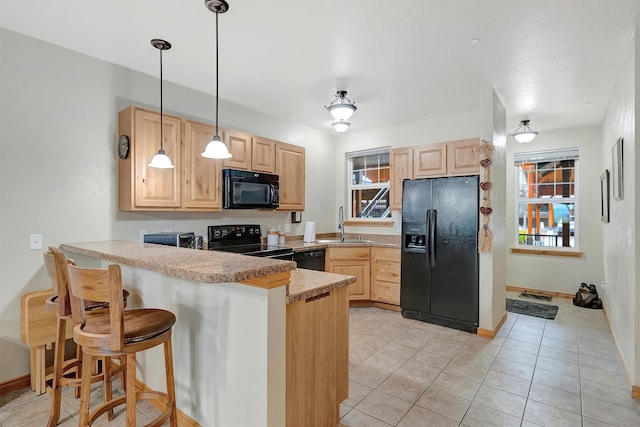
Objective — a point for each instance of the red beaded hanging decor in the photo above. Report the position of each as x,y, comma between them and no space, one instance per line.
485,239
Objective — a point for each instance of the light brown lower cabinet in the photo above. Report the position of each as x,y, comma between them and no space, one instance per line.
385,275
352,262
317,359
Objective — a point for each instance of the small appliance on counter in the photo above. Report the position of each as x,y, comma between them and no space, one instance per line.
245,240
173,238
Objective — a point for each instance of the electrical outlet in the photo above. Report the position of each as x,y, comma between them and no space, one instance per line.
287,228
35,242
142,232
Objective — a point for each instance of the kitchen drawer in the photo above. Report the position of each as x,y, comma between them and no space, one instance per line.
348,253
388,292
388,271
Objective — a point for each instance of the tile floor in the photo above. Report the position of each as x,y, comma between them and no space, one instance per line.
405,373
535,372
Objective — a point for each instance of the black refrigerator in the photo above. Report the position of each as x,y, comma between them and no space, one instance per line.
439,257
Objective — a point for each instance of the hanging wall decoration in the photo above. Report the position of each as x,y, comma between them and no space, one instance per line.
485,239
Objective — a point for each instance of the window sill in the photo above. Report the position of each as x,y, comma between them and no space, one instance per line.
547,252
362,223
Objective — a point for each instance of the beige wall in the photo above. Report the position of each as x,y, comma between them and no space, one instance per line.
620,241
561,274
58,164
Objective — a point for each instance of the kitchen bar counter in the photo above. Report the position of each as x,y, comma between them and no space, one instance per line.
237,319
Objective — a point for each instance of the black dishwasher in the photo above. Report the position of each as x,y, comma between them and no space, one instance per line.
310,259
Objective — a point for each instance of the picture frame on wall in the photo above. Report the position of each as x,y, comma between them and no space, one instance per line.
617,169
604,196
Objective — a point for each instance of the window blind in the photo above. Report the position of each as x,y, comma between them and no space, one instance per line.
545,156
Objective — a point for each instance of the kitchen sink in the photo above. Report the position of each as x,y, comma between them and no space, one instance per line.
345,241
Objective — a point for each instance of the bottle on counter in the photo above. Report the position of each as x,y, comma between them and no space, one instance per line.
272,237
282,238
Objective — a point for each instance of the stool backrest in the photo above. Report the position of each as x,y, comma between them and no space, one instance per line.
59,281
99,285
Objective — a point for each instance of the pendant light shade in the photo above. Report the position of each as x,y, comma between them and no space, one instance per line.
341,108
340,126
524,134
161,160
216,148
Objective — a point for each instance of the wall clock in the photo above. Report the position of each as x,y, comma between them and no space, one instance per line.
123,146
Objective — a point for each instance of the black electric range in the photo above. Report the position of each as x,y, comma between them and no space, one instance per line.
245,240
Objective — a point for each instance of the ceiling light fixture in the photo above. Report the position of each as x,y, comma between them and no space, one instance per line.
526,134
216,149
161,160
341,108
340,126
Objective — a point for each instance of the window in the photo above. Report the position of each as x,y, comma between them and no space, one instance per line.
368,185
546,199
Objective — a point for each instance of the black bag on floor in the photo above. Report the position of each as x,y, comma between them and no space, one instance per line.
587,296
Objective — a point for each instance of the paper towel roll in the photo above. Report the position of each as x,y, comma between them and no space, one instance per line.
310,231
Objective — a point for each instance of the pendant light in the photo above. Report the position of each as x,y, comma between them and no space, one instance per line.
526,134
341,108
216,148
161,160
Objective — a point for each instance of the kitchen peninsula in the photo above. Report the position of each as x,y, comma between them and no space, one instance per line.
251,333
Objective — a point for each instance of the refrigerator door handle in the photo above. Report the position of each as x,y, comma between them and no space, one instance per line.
426,243
432,237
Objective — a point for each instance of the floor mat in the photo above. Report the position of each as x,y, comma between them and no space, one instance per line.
545,311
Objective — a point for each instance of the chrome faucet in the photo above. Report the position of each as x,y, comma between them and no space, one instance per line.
341,223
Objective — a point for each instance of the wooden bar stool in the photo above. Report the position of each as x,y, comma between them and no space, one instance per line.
120,333
60,304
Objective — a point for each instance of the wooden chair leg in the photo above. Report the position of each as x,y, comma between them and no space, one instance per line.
171,388
131,389
58,365
107,384
78,373
85,390
34,366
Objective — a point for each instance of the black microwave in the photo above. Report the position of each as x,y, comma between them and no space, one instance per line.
249,190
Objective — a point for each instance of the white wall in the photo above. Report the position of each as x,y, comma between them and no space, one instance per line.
621,296
58,164
553,273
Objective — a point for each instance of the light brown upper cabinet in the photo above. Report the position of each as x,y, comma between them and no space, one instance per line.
239,145
401,169
290,167
462,157
143,187
442,159
429,160
263,155
201,176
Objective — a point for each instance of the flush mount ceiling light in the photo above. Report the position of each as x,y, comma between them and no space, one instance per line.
161,160
524,133
341,108
216,148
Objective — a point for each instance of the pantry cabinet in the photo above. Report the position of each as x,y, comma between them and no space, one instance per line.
290,167
143,187
352,262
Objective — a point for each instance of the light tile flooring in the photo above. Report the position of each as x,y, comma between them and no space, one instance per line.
535,372
405,373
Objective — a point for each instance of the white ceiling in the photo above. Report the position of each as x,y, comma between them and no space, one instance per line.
400,60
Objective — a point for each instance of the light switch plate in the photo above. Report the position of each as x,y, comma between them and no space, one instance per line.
35,242
287,228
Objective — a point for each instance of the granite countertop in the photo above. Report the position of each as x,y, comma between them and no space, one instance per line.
309,283
210,266
200,266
